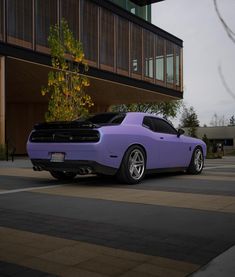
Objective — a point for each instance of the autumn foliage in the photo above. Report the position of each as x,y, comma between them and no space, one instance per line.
66,82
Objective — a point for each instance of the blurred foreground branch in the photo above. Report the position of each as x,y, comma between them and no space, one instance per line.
229,91
228,30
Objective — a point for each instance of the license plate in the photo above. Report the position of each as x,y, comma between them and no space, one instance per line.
57,157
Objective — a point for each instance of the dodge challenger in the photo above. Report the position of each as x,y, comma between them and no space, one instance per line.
127,145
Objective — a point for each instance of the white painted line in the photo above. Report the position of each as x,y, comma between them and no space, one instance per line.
221,166
28,189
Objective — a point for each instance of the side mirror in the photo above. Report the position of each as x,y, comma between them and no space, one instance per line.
180,132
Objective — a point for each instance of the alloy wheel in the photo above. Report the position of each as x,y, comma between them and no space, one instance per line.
198,160
136,164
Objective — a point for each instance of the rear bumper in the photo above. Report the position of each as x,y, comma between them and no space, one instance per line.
73,166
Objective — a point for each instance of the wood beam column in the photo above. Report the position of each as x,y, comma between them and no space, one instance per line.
2,100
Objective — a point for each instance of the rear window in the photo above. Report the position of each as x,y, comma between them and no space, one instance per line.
107,118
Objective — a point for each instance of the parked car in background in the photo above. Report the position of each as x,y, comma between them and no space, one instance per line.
127,145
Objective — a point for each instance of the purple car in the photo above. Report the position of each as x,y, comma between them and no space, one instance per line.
127,145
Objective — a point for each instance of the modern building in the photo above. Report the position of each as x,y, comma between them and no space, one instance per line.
130,60
136,8
223,135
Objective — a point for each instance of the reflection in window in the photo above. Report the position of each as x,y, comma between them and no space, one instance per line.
148,54
147,122
177,66
133,10
161,126
19,21
160,59
107,38
123,44
136,49
70,11
89,28
1,20
170,62
46,15
141,11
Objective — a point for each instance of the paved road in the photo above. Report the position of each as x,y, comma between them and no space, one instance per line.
169,225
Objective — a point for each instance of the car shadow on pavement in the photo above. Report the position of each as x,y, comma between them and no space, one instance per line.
8,182
112,181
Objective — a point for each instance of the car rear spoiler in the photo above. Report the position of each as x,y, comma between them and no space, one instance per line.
65,125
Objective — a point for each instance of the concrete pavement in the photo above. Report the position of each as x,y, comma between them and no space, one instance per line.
169,225
223,265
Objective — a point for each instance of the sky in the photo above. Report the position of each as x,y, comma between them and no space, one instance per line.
206,46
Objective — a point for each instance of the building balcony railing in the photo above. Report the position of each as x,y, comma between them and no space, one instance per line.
113,39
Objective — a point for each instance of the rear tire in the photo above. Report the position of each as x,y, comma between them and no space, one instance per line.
63,175
197,162
132,169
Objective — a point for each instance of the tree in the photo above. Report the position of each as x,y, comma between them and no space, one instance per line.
189,119
66,85
207,142
165,109
217,120
232,121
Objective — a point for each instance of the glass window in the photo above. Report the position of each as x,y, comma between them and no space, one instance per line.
70,12
122,3
161,126
147,122
148,54
89,28
177,65
136,50
113,118
106,38
170,62
228,142
160,59
123,44
141,11
1,20
19,22
133,10
118,119
46,16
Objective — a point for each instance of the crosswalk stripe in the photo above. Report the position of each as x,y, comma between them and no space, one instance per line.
66,257
220,166
27,189
171,199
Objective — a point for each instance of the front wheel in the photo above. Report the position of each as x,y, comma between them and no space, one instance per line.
132,169
63,175
197,162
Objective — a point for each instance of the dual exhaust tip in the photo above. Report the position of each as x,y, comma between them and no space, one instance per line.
37,168
85,170
81,170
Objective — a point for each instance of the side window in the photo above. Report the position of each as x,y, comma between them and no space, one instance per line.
161,126
147,122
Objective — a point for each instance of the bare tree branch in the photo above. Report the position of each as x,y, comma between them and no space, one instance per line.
228,30
230,92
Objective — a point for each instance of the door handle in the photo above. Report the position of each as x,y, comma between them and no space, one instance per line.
161,137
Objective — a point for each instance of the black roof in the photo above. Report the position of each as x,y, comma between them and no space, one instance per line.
145,2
